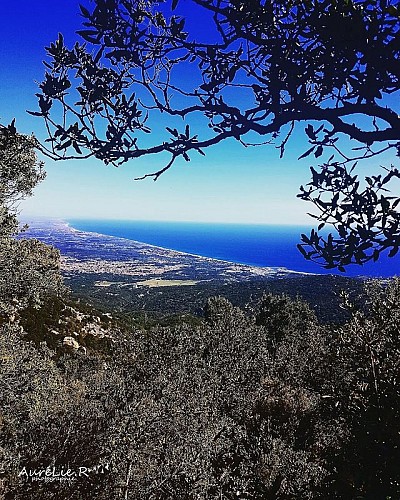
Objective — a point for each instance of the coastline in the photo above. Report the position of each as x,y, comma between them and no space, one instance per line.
257,246
41,227
86,252
282,269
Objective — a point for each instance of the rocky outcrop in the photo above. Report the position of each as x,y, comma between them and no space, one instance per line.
71,343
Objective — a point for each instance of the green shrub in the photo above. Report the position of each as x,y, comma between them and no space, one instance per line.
215,410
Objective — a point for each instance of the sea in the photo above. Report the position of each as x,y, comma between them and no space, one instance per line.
253,244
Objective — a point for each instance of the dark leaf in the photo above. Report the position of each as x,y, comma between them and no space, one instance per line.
89,35
319,151
174,132
309,130
84,11
303,252
305,238
306,153
76,147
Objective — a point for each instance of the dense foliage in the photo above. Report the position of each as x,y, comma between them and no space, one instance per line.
269,404
20,172
29,272
163,306
29,269
272,406
256,69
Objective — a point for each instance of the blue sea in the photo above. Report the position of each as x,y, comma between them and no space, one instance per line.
257,245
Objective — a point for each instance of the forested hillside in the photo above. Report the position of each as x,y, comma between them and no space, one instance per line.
267,403
273,405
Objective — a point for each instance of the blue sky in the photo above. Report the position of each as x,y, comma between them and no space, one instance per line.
229,184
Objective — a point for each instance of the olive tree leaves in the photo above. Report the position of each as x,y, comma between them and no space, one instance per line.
29,269
365,218
20,172
266,67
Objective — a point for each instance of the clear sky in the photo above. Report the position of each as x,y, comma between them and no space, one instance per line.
230,184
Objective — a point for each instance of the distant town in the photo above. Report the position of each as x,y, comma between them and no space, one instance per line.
130,277
144,264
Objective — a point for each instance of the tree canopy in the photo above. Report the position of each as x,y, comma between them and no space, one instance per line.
260,68
29,269
20,172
